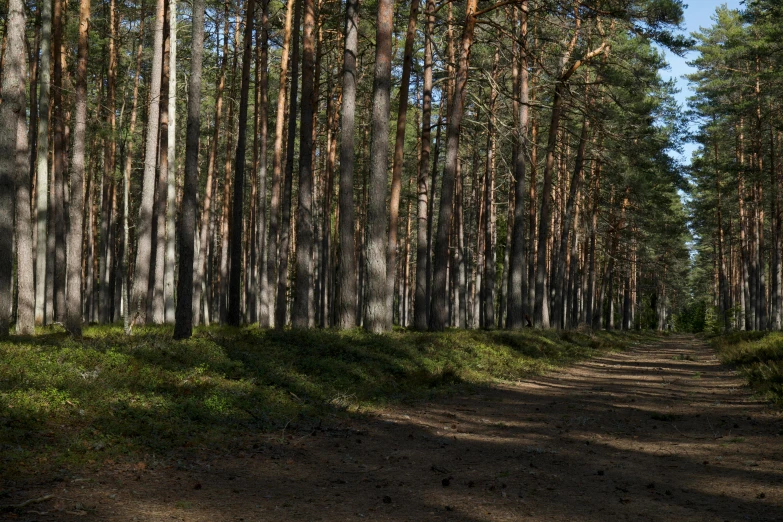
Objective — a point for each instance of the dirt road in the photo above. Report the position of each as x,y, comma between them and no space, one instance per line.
661,432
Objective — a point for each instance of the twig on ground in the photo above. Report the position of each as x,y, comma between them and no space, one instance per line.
26,503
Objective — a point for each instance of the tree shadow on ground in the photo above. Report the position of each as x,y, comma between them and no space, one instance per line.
608,440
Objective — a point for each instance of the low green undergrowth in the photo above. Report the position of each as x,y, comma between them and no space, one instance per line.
65,402
759,357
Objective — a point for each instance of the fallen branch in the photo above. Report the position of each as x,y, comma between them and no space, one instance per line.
26,503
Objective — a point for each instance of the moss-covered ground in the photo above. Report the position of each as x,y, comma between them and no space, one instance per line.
68,403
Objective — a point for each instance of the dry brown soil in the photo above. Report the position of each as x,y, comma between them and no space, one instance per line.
660,432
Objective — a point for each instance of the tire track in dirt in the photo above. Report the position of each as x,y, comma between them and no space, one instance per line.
659,432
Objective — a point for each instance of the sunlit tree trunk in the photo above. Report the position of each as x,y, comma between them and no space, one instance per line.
157,289
144,223
124,275
42,163
273,247
376,314
171,178
399,149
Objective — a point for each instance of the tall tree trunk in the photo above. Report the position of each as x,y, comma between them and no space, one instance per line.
723,293
439,313
591,318
25,308
13,173
420,304
171,178
490,236
348,298
262,100
376,314
57,217
273,247
568,220
541,309
73,319
281,304
124,274
157,307
183,327
399,159
461,315
235,281
517,268
303,315
207,220
327,264
144,223
42,163
431,208
109,154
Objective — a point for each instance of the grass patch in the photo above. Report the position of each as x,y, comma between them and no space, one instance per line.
66,403
759,358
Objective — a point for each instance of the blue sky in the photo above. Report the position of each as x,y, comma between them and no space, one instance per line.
698,14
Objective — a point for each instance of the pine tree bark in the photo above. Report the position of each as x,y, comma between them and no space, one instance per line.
397,163
376,312
183,327
73,318
157,289
207,221
171,180
124,274
12,109
42,163
281,304
439,313
109,154
303,314
348,298
541,309
420,304
144,223
262,99
591,316
516,264
58,162
273,247
25,306
235,274
568,220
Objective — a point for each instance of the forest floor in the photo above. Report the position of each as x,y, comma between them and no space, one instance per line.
661,431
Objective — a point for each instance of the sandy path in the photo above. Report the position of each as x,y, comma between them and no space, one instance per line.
642,435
